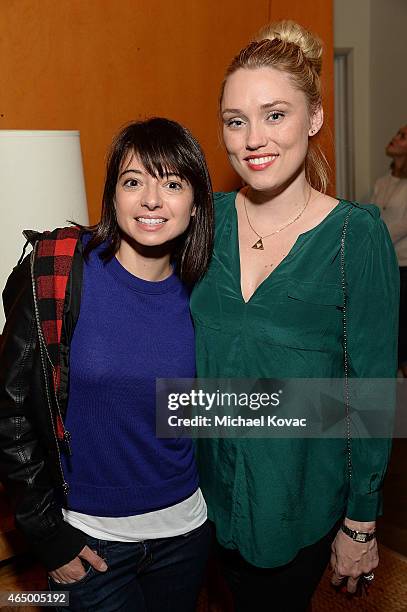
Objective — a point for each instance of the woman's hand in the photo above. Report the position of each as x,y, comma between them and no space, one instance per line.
350,559
74,570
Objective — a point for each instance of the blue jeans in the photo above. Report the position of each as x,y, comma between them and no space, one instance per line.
162,575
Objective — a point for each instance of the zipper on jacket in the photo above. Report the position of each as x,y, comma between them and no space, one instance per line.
66,441
65,488
43,353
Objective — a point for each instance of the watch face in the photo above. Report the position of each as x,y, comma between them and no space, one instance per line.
360,537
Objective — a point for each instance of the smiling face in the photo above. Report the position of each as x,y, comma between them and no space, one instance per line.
266,126
151,211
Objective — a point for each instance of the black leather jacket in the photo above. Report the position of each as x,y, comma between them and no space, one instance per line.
30,463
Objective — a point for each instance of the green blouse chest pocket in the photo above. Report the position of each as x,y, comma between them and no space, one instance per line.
307,315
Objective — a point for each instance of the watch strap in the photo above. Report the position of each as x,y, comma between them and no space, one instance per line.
358,536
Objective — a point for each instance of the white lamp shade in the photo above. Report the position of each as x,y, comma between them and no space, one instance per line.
41,188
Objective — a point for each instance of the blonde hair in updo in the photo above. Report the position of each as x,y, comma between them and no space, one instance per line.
287,46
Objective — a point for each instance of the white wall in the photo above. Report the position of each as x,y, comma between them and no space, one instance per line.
352,30
388,102
376,30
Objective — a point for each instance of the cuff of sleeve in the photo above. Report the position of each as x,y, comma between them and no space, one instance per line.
63,546
364,507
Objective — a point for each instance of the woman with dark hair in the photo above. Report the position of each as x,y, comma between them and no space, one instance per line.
94,316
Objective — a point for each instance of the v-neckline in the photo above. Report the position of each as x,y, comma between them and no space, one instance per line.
300,237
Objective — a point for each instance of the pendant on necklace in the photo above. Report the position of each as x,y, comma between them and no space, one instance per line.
258,245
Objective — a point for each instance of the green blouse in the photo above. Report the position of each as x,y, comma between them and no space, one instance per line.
271,497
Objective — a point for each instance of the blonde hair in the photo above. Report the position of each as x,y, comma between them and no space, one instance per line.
287,46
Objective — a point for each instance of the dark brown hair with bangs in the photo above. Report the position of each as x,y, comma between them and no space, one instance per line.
163,147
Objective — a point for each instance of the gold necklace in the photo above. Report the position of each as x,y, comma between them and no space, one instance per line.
258,245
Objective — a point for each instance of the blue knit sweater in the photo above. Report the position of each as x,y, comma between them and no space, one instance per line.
129,332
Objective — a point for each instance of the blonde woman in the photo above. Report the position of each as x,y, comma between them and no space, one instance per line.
271,306
390,195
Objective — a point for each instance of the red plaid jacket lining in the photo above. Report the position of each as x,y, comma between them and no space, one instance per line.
52,266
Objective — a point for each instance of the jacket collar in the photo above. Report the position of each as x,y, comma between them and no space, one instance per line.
51,266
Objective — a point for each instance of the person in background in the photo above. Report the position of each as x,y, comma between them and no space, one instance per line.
93,317
390,194
272,306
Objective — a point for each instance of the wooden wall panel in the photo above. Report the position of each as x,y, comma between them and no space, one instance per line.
93,65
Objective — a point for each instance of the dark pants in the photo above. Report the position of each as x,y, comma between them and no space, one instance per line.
162,575
288,588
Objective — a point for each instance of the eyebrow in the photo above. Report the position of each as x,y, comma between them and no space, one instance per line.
130,170
266,106
139,172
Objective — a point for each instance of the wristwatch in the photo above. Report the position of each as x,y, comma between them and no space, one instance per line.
358,536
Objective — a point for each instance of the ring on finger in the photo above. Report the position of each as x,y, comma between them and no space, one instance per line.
368,577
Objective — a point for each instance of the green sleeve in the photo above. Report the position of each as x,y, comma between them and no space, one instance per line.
372,284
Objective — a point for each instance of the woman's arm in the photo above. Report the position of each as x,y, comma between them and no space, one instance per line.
398,230
23,454
372,316
372,320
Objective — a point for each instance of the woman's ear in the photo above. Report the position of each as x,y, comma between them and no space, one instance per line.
317,121
193,211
